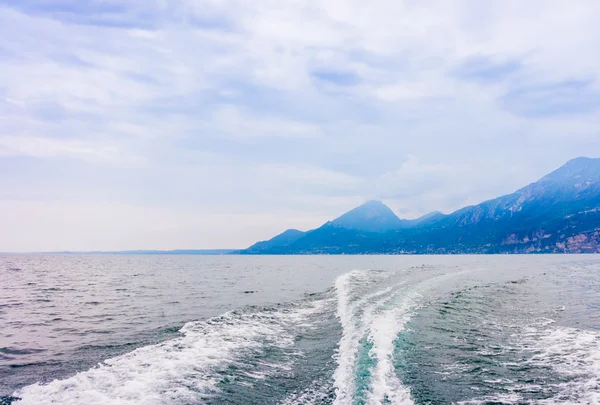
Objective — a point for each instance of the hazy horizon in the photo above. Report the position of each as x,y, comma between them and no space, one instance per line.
203,125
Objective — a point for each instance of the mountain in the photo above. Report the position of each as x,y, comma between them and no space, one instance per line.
280,241
425,220
146,252
560,213
573,187
372,216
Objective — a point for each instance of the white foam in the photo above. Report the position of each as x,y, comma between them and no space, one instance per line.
343,375
368,316
181,370
573,353
353,328
385,385
511,398
316,393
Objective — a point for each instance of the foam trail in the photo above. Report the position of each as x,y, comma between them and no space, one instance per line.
358,318
178,371
353,327
343,379
385,385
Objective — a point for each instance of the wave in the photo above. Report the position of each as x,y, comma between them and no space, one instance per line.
571,357
371,307
574,354
183,370
352,345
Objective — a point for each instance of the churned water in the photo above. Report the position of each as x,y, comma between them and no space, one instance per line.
103,329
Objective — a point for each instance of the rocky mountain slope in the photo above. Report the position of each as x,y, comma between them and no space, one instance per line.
560,213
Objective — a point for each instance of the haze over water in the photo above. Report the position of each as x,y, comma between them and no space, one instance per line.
105,329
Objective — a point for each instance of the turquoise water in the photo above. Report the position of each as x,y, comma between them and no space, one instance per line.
299,330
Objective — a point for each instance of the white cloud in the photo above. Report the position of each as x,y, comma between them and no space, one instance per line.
418,188
84,226
49,148
218,100
413,177
307,176
231,122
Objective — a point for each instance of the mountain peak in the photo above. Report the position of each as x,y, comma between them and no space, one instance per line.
374,205
372,216
581,160
580,163
575,171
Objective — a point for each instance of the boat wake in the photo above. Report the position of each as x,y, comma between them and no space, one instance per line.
189,369
371,323
372,339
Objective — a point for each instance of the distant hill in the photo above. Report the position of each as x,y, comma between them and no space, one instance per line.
151,252
560,213
280,241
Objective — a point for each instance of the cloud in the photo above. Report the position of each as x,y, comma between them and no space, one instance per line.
67,226
290,108
403,91
230,121
413,178
417,188
102,13
51,148
310,179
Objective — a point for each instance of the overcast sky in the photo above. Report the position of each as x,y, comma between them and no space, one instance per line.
161,124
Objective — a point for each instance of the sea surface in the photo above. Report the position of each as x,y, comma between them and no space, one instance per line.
150,330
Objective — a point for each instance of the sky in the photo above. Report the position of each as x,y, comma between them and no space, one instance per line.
164,124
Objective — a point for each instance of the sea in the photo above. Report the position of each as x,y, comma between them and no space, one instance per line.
184,330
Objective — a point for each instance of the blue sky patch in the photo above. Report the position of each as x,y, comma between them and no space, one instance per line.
550,100
487,70
336,77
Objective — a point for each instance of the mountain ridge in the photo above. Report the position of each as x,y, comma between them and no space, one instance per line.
560,213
